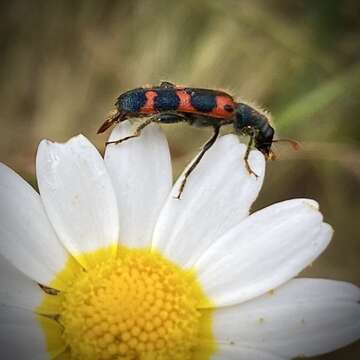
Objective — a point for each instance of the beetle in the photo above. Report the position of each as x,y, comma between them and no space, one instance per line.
170,104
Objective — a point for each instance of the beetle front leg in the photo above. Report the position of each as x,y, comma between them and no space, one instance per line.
247,153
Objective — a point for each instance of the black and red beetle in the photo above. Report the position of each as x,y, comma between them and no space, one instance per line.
169,104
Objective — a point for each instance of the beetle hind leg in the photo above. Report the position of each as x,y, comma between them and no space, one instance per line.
134,135
166,118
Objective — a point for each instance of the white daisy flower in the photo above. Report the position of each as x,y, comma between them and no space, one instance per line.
129,272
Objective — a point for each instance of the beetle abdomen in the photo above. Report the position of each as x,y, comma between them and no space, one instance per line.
147,101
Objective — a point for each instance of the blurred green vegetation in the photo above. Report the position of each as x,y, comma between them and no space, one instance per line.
64,62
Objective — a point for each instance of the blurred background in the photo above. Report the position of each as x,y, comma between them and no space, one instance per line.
63,63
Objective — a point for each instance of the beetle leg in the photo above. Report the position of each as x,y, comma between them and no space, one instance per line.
167,84
135,134
205,148
159,118
247,153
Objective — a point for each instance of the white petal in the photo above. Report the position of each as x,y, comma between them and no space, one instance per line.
21,336
217,196
140,170
233,352
267,249
27,239
305,317
78,195
17,289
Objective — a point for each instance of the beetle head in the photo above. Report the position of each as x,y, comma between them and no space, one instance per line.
249,121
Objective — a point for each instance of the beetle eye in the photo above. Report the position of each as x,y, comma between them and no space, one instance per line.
228,108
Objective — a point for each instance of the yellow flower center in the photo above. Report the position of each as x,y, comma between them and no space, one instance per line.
136,306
